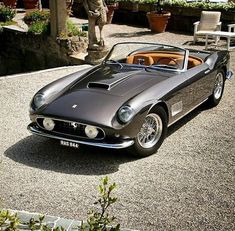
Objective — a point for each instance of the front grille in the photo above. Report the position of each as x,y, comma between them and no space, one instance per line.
70,128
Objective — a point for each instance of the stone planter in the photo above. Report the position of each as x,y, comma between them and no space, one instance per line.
31,4
10,3
158,22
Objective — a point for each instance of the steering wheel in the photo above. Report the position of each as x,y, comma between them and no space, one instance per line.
168,59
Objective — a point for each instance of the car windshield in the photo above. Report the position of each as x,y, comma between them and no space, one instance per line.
148,55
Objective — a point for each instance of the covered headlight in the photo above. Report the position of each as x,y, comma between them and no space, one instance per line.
39,99
91,131
49,124
125,114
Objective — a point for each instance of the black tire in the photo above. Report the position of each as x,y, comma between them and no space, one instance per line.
154,131
218,89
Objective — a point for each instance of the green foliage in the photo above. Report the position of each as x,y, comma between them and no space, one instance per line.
8,23
99,220
11,222
182,3
8,221
202,5
6,13
39,28
36,16
38,21
73,30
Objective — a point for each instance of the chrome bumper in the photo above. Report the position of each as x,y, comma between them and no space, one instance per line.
35,130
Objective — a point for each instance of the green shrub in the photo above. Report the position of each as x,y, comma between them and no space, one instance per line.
36,16
202,5
39,28
6,13
73,30
182,3
98,220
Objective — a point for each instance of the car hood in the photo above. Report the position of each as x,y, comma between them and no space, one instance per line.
97,96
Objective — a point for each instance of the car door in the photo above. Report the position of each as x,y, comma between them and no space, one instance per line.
200,81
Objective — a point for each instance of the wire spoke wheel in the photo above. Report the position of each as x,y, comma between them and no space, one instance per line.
219,85
150,131
218,89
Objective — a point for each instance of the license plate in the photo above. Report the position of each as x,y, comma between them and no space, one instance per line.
69,144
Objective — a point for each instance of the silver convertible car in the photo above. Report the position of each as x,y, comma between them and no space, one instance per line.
131,98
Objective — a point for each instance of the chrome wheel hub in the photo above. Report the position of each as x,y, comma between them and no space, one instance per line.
150,131
219,82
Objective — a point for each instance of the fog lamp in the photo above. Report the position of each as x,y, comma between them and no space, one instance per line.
91,131
49,124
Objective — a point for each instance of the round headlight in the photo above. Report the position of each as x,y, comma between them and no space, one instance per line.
39,100
49,124
125,114
91,131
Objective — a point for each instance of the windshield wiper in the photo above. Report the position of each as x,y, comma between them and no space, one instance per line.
161,67
111,61
164,66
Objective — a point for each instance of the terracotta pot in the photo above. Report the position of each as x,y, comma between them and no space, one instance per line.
10,3
110,13
31,4
158,22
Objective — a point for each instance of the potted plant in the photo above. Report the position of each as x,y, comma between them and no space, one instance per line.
158,19
112,5
10,3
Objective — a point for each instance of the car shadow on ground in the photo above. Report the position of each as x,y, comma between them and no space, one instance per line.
48,154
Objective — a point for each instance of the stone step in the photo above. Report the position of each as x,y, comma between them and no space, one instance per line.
78,59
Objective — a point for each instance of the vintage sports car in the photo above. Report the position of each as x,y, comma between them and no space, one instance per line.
130,99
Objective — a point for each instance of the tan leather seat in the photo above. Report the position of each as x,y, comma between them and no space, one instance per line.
165,58
140,59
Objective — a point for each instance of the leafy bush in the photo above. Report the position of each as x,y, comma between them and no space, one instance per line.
6,13
36,16
202,5
99,220
183,3
73,30
42,27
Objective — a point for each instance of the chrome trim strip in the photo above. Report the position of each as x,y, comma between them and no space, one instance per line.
68,121
229,75
187,112
124,144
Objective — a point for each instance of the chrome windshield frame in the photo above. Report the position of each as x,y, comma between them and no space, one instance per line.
185,51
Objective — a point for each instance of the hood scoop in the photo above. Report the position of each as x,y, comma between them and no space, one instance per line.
98,85
114,80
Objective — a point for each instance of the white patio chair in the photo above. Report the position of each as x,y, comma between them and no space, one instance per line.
209,21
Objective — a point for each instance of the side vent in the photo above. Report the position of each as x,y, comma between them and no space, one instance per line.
98,85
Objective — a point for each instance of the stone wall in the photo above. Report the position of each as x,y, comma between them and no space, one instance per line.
22,52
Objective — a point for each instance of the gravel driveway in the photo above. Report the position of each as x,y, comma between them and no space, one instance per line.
188,184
